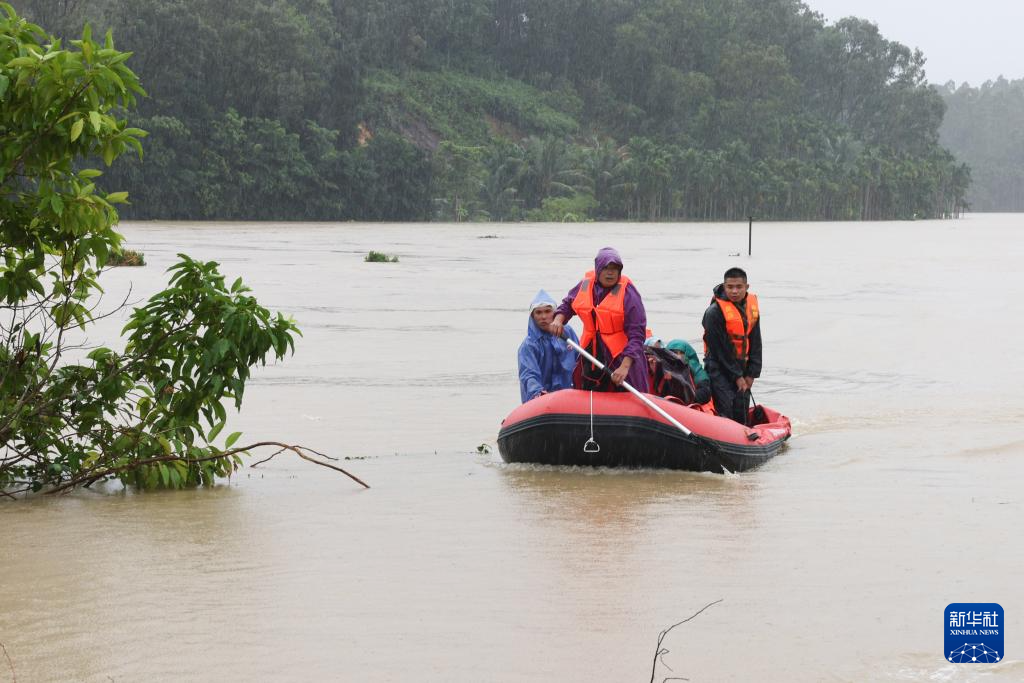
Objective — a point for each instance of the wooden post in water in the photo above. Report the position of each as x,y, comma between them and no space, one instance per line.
750,235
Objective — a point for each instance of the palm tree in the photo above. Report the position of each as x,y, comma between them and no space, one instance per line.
605,164
504,167
549,171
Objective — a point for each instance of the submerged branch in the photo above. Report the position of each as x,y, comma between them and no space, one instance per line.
298,450
96,474
659,651
14,676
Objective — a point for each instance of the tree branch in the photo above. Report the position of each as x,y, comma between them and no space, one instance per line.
298,451
94,475
659,651
14,676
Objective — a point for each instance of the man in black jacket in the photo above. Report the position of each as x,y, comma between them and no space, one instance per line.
732,345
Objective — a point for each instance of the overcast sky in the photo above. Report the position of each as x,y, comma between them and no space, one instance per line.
973,41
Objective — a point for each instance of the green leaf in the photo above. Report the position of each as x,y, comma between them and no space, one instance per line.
100,249
57,203
61,314
221,347
117,197
97,121
4,82
76,130
136,145
215,431
232,439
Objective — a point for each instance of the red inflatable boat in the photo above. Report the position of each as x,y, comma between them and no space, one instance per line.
619,430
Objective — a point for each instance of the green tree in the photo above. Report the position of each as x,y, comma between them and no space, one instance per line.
499,192
388,179
323,104
458,173
984,126
548,170
605,163
150,414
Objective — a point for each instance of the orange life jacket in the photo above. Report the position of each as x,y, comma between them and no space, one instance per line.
738,334
708,407
607,318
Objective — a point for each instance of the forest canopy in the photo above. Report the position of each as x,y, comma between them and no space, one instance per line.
984,126
522,109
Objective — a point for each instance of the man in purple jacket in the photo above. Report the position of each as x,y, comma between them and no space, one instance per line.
614,325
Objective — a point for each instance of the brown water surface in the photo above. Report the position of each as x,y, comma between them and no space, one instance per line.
892,346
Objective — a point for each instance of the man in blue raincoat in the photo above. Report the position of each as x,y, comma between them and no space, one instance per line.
545,361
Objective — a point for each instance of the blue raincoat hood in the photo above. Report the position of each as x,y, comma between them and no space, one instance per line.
540,299
545,362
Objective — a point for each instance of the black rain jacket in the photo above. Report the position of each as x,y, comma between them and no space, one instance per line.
720,355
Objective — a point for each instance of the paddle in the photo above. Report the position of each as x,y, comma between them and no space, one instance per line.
650,404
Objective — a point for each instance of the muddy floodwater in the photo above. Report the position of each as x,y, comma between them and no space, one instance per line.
895,348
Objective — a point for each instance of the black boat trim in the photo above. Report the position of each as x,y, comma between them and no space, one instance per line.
621,421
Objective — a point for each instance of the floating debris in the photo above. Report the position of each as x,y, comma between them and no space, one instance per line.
380,257
126,258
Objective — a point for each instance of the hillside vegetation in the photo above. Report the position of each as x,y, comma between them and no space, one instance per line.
513,109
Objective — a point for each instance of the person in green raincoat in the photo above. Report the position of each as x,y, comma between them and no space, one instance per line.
701,381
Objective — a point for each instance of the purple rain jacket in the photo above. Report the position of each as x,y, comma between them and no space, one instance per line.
635,325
